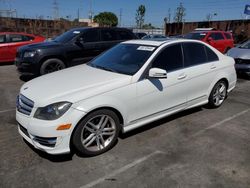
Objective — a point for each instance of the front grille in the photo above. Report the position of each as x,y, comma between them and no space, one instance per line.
24,130
46,141
242,61
24,105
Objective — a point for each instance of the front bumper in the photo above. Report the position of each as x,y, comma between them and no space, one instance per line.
27,66
43,134
243,69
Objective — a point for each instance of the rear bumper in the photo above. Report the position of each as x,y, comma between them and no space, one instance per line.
243,69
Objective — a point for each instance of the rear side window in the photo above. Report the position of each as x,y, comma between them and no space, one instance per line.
194,54
16,38
228,36
169,59
108,35
124,35
91,36
216,36
27,38
211,56
2,39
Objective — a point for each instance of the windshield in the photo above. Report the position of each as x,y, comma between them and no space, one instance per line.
245,45
67,36
124,58
196,36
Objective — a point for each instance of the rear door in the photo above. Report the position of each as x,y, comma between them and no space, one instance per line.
4,52
201,63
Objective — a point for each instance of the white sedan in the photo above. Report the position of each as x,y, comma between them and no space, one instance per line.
134,83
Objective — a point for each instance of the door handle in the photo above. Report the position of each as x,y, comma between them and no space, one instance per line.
213,67
182,76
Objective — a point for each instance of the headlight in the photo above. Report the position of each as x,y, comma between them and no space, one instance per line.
29,54
52,111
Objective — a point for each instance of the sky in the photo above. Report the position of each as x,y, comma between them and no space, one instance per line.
156,10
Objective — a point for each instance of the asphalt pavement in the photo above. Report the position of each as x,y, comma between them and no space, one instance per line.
196,148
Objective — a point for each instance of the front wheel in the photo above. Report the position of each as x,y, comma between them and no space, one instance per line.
96,133
51,65
218,94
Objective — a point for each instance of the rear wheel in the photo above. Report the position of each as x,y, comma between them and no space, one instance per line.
218,94
51,65
96,133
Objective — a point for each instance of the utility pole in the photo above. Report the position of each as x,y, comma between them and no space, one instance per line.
55,10
120,17
90,11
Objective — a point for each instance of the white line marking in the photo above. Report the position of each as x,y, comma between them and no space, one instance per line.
221,122
9,110
123,169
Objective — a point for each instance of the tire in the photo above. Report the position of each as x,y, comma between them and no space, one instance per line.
218,94
89,137
51,65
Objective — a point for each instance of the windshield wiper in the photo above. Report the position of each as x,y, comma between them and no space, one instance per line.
103,68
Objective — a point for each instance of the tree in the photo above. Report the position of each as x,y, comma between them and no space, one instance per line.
148,26
180,14
139,16
106,19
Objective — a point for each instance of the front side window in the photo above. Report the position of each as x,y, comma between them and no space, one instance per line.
91,36
2,39
245,45
123,58
169,59
216,36
194,54
124,35
108,35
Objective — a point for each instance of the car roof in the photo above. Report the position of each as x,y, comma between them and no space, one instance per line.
153,42
22,33
207,31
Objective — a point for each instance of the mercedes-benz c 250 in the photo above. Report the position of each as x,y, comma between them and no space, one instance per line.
134,83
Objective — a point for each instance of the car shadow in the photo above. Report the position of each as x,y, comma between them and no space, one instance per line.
26,78
243,76
52,158
160,122
6,63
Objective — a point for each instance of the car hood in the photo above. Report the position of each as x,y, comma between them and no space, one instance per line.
41,45
239,53
72,85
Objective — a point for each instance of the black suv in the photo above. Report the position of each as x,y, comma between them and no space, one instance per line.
73,47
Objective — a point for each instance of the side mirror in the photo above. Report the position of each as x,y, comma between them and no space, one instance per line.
157,73
80,41
210,39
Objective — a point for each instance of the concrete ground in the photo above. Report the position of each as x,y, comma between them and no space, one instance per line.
196,148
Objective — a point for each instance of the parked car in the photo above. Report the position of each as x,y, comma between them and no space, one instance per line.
130,85
74,47
10,41
221,40
241,54
140,35
154,36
